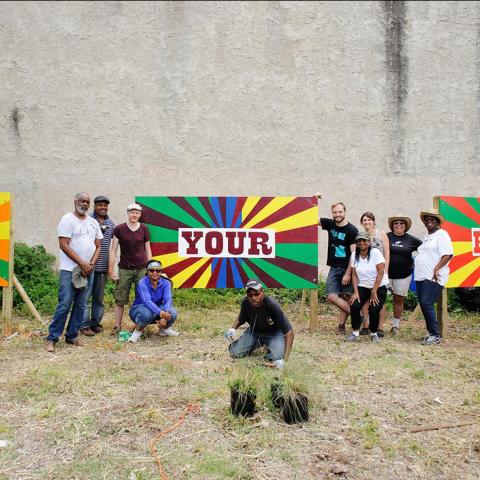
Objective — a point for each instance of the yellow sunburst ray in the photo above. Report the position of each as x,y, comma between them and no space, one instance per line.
276,204
185,274
459,276
301,219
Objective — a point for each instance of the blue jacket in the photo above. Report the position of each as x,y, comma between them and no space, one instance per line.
152,298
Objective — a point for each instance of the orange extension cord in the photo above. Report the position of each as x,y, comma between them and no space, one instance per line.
190,408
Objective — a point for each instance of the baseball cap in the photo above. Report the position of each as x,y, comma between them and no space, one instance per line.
101,198
134,206
252,283
362,236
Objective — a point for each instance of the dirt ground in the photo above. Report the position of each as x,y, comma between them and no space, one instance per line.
90,412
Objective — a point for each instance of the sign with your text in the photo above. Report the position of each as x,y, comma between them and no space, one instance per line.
5,217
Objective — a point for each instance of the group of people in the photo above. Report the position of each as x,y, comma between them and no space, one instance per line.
363,265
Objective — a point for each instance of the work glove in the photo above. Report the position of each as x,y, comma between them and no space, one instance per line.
279,364
229,334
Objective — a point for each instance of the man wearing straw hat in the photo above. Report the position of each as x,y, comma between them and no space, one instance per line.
400,269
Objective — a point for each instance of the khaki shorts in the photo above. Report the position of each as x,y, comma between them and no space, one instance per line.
124,284
400,286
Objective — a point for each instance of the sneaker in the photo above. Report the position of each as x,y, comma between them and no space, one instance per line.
76,342
97,329
352,338
168,332
50,346
341,329
365,331
394,330
431,340
374,337
380,333
88,332
134,337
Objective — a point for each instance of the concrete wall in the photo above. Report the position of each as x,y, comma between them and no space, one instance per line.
373,103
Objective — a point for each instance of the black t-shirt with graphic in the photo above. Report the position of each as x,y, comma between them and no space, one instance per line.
401,249
339,241
268,318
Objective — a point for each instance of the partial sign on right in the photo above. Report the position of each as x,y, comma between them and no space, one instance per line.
462,222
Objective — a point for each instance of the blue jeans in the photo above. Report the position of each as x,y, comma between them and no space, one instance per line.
96,290
428,293
250,341
143,316
68,295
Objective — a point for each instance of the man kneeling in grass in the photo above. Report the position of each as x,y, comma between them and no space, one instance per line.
268,326
153,303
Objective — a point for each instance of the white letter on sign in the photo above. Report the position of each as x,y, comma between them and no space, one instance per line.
476,242
226,242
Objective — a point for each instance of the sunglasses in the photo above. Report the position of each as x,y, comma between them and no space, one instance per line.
156,270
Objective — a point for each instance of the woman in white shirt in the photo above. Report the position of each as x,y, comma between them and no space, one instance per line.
431,270
369,285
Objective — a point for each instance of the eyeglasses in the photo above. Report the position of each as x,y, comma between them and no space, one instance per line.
154,270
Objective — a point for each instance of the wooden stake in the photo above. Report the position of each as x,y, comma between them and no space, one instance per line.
442,313
26,299
441,426
7,304
302,305
414,315
314,310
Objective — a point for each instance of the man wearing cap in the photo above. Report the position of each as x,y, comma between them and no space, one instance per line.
79,238
134,241
91,323
268,326
341,243
400,267
153,303
431,270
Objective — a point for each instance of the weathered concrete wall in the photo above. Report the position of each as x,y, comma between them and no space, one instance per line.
373,103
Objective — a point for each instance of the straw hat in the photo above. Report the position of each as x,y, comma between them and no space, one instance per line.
432,212
407,220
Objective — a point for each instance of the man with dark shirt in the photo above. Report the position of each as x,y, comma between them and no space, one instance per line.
341,243
134,241
268,326
400,269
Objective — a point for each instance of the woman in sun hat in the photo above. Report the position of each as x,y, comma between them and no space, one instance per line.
431,270
369,286
400,269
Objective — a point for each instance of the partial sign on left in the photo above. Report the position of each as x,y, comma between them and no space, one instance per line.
5,218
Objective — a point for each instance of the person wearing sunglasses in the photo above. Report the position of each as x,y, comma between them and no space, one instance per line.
268,326
153,303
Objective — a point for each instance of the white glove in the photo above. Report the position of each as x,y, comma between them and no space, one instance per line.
230,333
279,363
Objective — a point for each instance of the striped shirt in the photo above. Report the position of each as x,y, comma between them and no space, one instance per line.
154,298
102,262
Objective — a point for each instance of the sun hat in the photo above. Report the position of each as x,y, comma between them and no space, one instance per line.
407,220
78,280
134,206
362,236
252,283
432,212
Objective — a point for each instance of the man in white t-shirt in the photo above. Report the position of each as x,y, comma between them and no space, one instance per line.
79,238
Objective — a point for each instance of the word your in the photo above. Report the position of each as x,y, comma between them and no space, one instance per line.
226,242
476,241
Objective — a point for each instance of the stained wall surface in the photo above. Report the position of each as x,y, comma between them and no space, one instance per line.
373,103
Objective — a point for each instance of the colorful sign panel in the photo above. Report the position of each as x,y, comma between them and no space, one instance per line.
220,242
4,237
462,222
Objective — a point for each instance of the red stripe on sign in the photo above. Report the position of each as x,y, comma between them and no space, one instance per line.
261,204
458,261
303,270
457,233
298,235
263,276
154,217
238,208
212,283
472,279
163,248
172,270
206,204
297,205
182,203
192,280
463,206
241,271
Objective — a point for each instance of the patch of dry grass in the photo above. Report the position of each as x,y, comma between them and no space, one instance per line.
90,413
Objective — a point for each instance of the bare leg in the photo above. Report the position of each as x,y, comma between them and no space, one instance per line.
398,306
364,314
119,315
339,302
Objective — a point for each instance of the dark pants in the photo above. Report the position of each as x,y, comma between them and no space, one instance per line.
373,310
96,290
428,293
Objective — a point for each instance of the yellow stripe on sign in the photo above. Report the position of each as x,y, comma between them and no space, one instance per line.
4,197
276,204
4,230
205,277
249,205
459,276
302,219
180,277
462,247
169,259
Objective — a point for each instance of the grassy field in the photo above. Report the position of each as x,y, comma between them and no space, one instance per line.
91,412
